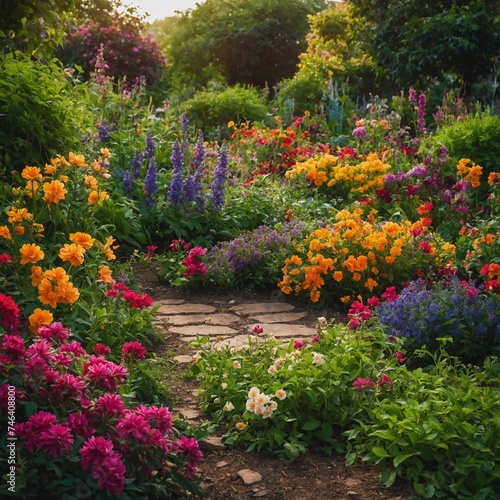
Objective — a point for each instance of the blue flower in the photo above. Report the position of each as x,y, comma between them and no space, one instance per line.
150,186
175,193
217,187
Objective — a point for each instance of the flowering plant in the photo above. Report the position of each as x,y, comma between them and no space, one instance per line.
79,418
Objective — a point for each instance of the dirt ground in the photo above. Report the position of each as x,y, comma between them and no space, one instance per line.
311,476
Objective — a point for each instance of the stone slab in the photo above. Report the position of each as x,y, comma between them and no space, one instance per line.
168,310
168,302
197,319
203,330
262,308
285,330
285,317
183,358
187,413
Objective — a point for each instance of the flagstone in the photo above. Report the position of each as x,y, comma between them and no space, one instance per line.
203,330
183,358
262,307
285,317
167,310
284,330
168,302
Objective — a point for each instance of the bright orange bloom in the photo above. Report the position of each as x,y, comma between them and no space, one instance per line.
31,173
337,276
54,191
66,293
19,230
78,160
105,152
90,181
93,197
31,253
105,272
18,214
36,275
82,239
38,318
5,233
370,284
107,248
49,169
46,295
493,177
58,275
31,188
72,253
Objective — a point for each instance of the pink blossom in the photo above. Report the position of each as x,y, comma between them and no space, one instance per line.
297,344
159,417
191,448
101,349
73,347
80,425
399,356
13,347
362,384
390,294
109,404
54,331
316,338
133,425
384,380
133,350
257,330
94,451
69,385
110,473
56,440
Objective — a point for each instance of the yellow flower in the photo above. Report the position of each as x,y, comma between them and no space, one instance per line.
77,160
230,124
31,173
72,253
5,233
31,253
54,191
39,318
82,239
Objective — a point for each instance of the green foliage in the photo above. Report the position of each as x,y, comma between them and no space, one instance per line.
249,42
211,110
38,116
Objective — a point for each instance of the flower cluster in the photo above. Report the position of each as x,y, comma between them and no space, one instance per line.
119,290
261,404
359,255
78,404
194,262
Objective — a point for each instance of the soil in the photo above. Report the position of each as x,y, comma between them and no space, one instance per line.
311,476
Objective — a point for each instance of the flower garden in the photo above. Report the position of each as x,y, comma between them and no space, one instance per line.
394,222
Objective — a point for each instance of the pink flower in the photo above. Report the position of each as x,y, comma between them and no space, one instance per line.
159,417
94,451
74,348
9,313
69,385
390,294
316,338
5,258
101,349
384,380
191,448
54,331
133,425
13,347
298,344
110,474
133,350
151,250
80,425
399,356
373,302
257,330
109,404
363,384
56,440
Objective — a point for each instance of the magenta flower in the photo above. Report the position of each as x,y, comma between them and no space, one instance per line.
101,349
159,417
192,450
12,347
399,356
68,385
74,348
80,425
359,132
257,330
363,384
109,404
384,380
56,440
151,250
133,350
110,474
54,331
9,313
298,344
133,425
94,451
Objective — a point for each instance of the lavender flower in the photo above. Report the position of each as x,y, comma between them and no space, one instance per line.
418,171
421,113
150,186
412,96
128,183
103,131
443,155
218,183
359,132
175,192
150,148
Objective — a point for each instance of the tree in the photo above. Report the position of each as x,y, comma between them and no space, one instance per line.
254,42
416,42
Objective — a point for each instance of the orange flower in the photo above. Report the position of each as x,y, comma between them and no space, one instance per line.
66,293
90,181
77,160
72,253
105,152
31,188
36,275
18,214
337,276
54,191
93,197
370,284
493,177
58,275
19,230
38,318
31,253
82,239
107,248
31,173
49,169
104,274
5,233
46,294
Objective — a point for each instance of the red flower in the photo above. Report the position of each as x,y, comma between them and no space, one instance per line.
101,349
363,384
9,313
133,350
399,356
390,294
5,258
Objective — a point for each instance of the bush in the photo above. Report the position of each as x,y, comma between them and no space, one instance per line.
213,109
37,112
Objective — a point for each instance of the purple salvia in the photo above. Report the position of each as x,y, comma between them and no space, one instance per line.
199,165
128,183
103,131
175,192
219,180
150,186
150,148
421,113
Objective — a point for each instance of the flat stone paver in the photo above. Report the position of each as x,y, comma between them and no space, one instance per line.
285,330
167,310
203,330
285,317
194,319
183,358
262,308
168,302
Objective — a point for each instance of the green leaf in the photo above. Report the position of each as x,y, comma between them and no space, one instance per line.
311,424
388,477
401,458
379,451
424,491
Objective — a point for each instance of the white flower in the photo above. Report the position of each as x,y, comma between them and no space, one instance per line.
272,370
253,392
322,321
259,409
274,350
229,406
318,359
280,394
217,400
224,385
273,405
290,368
262,399
241,425
236,364
267,412
250,405
279,362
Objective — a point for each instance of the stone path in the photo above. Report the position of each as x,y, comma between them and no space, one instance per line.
228,324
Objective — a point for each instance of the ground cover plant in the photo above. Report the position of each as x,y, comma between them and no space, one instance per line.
386,209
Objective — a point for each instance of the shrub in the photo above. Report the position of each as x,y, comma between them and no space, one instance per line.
214,109
38,116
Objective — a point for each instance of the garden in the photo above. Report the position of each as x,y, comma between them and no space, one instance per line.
378,201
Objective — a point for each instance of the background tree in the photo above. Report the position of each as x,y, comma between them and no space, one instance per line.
416,42
255,42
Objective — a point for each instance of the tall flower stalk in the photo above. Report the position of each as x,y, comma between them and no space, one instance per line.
176,189
217,187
